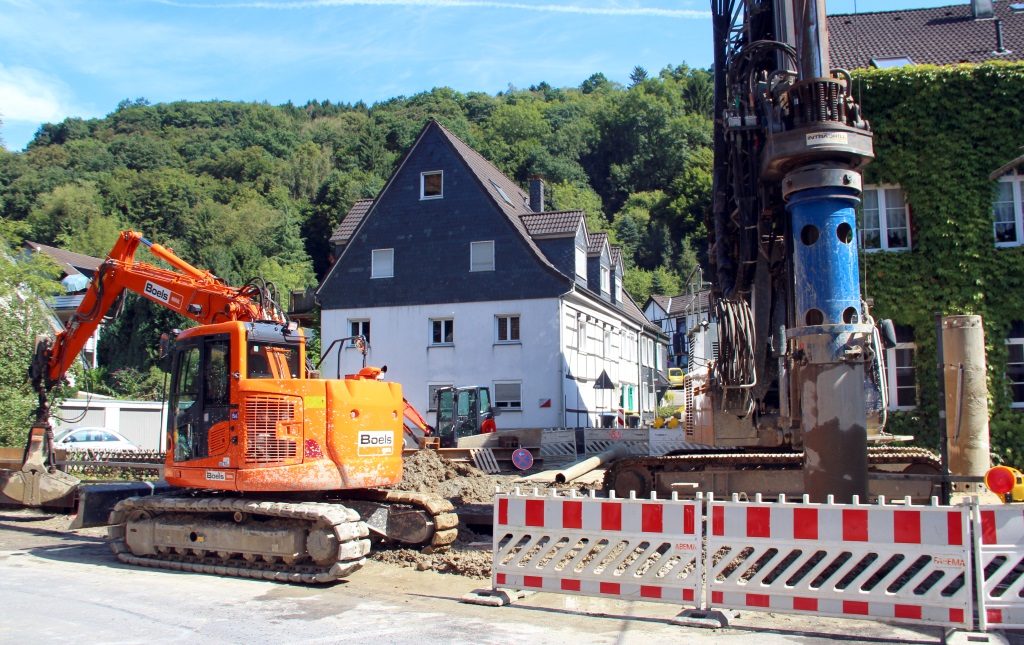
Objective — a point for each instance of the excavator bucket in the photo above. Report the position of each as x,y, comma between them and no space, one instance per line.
37,483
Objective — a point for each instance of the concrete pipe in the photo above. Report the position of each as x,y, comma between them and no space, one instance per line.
964,376
581,468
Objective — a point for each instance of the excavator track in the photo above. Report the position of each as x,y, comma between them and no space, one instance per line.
639,472
297,542
441,514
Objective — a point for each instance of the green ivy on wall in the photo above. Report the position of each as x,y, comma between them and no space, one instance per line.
939,133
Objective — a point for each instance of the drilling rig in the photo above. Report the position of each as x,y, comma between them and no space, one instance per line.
797,385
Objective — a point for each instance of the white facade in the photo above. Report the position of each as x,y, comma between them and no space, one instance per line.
563,347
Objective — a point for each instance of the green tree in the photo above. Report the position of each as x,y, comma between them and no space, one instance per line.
637,76
24,286
568,197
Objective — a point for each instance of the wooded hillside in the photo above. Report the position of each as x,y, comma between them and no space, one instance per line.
251,189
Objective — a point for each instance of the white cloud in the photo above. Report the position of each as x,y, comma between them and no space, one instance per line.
30,95
448,4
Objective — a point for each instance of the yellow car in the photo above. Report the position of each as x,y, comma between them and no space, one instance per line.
675,376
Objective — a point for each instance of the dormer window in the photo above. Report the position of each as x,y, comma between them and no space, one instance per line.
606,278
581,256
432,184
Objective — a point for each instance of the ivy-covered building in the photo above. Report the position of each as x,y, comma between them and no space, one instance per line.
942,218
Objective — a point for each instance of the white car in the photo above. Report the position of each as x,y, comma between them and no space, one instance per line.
92,439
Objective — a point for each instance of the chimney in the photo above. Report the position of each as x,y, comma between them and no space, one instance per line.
1000,48
536,194
982,9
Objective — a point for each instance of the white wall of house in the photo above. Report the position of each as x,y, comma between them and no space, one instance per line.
402,339
539,362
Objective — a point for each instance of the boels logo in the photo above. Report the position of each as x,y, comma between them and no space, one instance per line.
375,443
160,294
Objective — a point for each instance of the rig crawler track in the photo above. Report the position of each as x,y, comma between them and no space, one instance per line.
641,474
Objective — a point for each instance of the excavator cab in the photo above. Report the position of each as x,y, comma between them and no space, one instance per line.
204,368
463,412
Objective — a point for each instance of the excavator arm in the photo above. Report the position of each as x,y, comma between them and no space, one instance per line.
194,293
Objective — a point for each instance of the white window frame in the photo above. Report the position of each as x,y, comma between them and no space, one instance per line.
883,219
1017,405
1016,182
481,256
581,256
359,327
423,184
892,371
382,263
444,322
503,322
509,405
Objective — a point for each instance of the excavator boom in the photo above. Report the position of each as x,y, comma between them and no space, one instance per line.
194,293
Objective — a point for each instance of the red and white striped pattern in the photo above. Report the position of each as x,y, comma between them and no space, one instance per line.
999,536
907,563
624,548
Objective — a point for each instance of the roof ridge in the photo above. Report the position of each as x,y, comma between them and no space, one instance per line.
911,10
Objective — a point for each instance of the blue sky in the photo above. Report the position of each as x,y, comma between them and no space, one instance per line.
61,58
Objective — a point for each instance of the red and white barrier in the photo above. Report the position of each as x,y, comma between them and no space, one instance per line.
905,563
999,549
632,549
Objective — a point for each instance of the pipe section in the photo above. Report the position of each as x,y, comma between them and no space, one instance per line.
964,377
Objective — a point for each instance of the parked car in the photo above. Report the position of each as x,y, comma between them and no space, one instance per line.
676,376
93,439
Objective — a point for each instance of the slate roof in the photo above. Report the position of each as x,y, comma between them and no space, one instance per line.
595,242
616,255
933,36
351,221
512,200
68,261
682,304
552,223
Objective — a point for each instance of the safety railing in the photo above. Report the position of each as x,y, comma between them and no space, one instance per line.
906,563
628,549
951,566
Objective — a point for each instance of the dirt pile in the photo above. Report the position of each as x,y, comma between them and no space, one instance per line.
462,483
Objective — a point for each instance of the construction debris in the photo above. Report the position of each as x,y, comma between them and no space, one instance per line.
464,484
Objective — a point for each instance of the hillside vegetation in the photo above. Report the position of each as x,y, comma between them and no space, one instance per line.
250,189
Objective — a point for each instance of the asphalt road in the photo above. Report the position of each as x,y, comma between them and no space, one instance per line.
58,586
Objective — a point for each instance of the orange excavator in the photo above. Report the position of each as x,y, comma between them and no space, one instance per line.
274,473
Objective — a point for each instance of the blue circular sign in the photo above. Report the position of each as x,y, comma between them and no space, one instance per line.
522,459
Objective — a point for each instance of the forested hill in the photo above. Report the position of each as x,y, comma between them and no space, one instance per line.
251,189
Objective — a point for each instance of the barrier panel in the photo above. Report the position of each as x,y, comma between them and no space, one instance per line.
999,567
630,549
558,445
598,440
903,563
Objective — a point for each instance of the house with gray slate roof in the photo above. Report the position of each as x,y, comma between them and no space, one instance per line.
684,319
459,277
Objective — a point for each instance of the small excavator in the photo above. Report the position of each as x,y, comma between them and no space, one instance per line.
273,472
